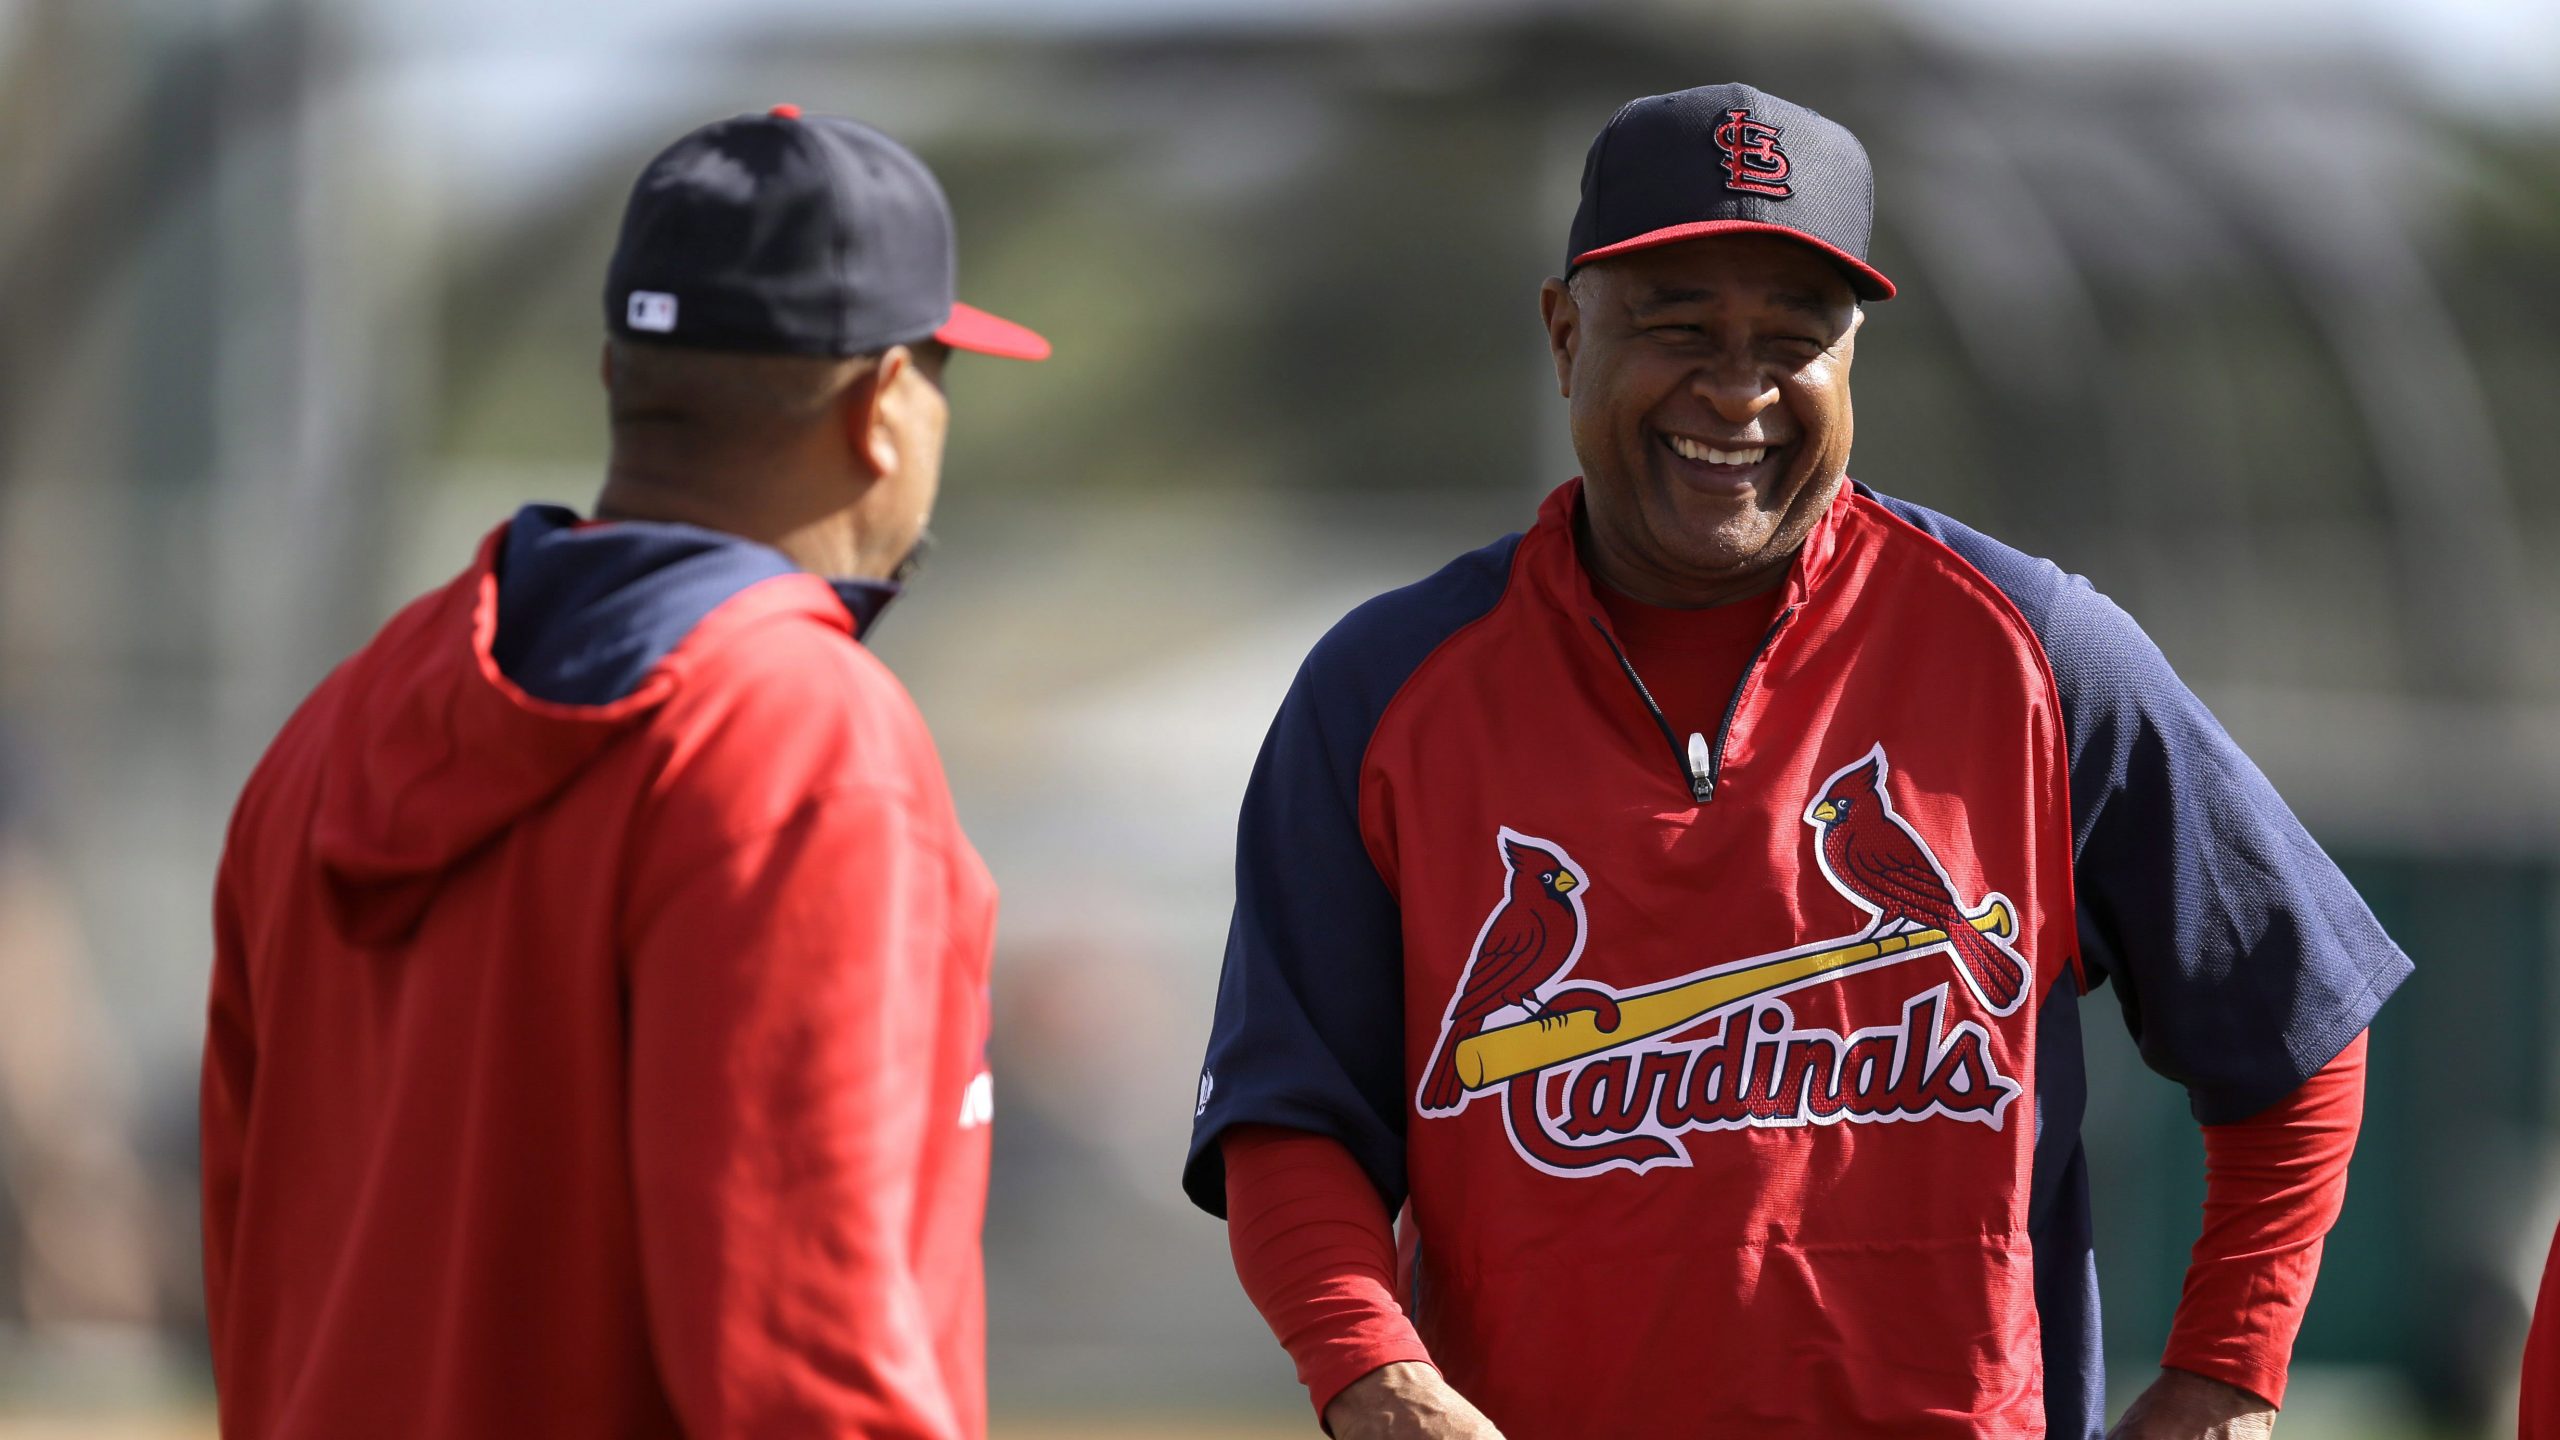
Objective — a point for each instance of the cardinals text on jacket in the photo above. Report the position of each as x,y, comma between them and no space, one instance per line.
1592,1078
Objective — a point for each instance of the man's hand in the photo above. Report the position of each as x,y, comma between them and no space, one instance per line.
1405,1401
2184,1406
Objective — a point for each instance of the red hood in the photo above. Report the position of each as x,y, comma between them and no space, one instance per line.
435,745
436,751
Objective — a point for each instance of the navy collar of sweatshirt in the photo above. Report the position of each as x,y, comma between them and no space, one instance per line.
586,611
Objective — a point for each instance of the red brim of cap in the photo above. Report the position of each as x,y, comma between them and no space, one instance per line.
971,328
1864,278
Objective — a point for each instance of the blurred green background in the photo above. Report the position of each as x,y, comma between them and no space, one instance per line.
2249,311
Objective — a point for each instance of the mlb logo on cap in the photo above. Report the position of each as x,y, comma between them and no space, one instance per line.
652,310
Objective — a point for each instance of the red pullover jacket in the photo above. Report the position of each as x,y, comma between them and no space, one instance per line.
598,1021
1730,1082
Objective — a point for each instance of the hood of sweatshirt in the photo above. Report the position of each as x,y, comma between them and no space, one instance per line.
483,700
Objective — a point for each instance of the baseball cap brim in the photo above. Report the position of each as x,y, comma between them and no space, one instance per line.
1865,279
971,328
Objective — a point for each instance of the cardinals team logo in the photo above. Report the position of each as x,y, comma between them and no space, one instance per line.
1591,1078
1531,938
1753,163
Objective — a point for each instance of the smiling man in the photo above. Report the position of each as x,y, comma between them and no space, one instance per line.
1678,912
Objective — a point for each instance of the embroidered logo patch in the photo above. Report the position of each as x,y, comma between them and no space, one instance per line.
1753,163
1592,1078
652,310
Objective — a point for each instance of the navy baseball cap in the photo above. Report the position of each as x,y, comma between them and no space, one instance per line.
1721,160
794,234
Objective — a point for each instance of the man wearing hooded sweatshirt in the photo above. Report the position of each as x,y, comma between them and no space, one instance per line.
598,1023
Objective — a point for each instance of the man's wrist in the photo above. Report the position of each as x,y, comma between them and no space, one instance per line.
2257,1370
2246,1397
2182,1405
1370,1370
1379,1387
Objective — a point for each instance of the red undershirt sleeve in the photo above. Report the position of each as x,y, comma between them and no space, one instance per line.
1317,1255
2273,1185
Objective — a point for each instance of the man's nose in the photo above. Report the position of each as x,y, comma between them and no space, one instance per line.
1738,392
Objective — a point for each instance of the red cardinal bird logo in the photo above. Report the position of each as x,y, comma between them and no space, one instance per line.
1531,938
1877,860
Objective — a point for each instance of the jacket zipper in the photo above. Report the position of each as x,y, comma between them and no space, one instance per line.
1701,765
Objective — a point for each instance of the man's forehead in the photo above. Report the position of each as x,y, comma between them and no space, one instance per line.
1673,295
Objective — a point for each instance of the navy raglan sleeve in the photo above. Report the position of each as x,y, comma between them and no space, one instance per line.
1309,1030
2242,957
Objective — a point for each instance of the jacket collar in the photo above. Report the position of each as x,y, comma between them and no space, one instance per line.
864,600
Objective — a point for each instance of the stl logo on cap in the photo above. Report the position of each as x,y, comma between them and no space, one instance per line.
1753,163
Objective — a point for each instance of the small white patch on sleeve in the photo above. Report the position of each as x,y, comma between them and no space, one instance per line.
1208,1082
978,1102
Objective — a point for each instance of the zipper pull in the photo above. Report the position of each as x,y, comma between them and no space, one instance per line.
1702,779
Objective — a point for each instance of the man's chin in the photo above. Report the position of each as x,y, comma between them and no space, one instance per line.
1728,561
1696,544
1741,540
1737,534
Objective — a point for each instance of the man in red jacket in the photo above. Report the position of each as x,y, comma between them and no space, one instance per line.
598,1023
1678,914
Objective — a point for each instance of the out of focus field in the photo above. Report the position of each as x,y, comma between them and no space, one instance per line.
197,1427
299,297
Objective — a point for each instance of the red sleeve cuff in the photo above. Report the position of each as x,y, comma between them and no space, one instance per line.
2273,1185
1317,1254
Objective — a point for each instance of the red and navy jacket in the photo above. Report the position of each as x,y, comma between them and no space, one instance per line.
599,1021
1733,1081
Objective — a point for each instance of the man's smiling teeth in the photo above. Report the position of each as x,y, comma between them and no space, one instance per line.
1691,450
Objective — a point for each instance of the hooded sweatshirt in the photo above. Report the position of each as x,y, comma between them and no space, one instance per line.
598,1022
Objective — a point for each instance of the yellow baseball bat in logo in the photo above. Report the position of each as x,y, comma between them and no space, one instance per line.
1498,1055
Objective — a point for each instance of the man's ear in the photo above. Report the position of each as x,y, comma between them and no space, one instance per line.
1564,329
604,365
868,432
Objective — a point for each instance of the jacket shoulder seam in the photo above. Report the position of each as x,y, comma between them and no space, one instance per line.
1360,776
1968,575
